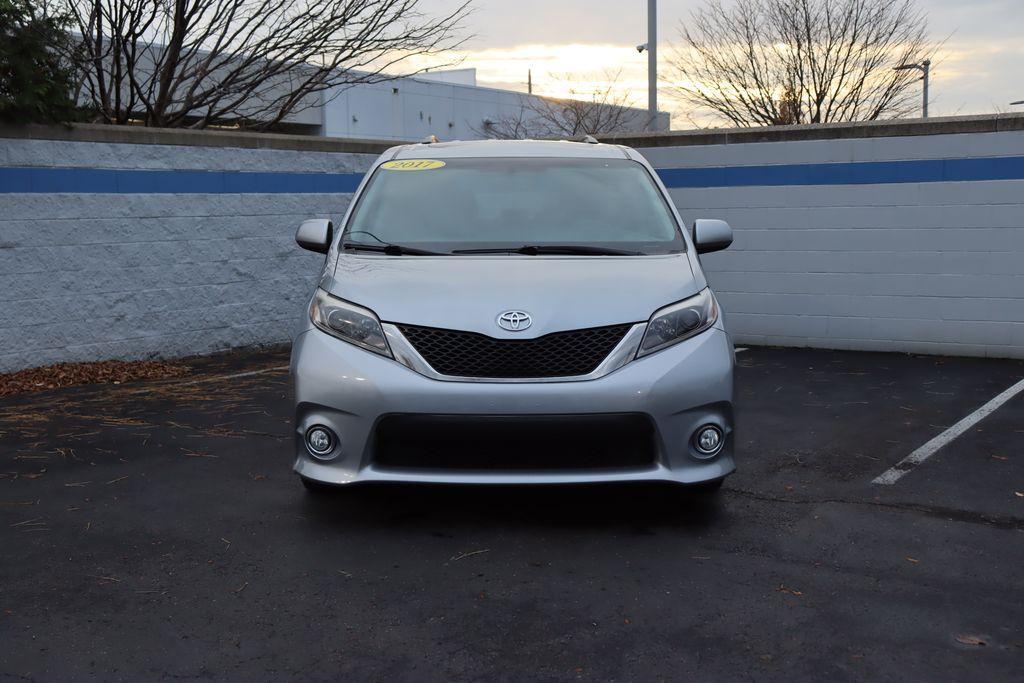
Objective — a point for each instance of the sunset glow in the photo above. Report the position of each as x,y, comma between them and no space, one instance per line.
558,70
578,70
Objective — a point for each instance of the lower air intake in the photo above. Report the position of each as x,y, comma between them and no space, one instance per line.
515,442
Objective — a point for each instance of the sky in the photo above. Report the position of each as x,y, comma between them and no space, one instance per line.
573,44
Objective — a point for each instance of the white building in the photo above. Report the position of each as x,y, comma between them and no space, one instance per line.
448,104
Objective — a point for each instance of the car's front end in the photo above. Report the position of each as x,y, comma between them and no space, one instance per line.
391,417
496,364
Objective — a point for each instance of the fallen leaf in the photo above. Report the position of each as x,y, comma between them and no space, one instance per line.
783,589
1000,457
69,374
911,559
977,641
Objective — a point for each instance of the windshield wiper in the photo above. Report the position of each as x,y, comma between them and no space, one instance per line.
539,249
389,249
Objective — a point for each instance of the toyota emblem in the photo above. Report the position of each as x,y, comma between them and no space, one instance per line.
514,321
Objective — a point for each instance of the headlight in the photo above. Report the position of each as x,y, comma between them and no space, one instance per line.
679,321
351,323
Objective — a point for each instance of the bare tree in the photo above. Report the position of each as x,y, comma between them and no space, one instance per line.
253,63
769,62
602,110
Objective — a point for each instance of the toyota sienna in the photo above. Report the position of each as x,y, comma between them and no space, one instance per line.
513,312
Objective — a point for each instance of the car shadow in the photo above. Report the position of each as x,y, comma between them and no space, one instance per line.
598,507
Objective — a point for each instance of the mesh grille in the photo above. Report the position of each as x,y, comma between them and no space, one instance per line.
469,354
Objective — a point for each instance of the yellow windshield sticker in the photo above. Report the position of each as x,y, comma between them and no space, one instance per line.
412,165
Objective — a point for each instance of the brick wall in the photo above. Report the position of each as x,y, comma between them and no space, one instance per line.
858,242
133,243
114,272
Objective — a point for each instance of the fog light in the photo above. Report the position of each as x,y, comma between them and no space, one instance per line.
708,440
320,441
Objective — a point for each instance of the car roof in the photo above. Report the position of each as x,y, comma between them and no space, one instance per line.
509,148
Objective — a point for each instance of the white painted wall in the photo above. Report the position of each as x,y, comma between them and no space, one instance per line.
930,267
89,276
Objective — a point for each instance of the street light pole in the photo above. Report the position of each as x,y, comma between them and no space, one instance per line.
927,64
924,67
652,63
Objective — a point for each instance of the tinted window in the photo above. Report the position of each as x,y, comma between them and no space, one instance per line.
472,203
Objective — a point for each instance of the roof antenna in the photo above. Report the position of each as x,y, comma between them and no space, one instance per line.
431,139
590,139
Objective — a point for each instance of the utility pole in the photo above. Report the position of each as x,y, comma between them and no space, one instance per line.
652,63
927,64
529,81
924,67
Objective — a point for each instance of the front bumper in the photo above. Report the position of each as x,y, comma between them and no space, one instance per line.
350,390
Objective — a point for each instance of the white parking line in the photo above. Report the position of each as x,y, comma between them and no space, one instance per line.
893,474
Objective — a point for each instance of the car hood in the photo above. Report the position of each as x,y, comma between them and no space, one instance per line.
470,292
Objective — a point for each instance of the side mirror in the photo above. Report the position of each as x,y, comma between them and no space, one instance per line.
316,235
711,235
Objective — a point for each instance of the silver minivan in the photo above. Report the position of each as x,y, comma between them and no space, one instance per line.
513,312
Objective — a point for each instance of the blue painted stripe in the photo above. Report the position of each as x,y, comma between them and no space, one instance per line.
123,181
855,173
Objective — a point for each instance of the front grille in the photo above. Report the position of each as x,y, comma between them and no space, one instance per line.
488,443
469,354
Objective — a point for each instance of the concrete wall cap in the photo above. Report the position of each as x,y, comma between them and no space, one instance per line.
89,132
987,123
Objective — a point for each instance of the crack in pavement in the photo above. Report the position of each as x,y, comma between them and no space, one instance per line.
955,514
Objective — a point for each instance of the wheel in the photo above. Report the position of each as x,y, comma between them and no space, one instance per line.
318,488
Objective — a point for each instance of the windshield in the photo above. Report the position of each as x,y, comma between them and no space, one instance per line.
473,204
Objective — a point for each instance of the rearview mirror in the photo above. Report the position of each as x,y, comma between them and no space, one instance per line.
711,235
315,234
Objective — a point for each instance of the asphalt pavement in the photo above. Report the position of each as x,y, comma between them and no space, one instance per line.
154,530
